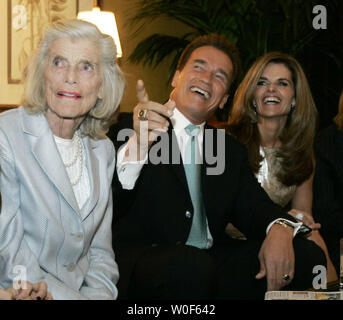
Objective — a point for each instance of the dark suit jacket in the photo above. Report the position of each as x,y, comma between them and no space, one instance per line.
328,188
155,212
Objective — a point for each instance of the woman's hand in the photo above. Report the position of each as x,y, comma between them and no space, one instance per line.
305,217
35,291
277,258
7,294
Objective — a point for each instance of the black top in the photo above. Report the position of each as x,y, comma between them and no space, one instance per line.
328,188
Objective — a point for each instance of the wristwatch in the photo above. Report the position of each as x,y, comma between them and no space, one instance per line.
284,223
304,230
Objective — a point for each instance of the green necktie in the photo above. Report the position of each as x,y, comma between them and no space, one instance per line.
198,234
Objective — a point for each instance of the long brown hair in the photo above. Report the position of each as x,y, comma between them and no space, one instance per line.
338,119
296,152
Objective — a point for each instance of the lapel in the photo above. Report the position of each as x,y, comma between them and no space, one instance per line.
46,154
92,164
207,182
174,153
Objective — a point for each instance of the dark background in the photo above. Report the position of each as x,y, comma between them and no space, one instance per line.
255,27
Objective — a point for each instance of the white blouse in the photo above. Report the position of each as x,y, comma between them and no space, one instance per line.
68,149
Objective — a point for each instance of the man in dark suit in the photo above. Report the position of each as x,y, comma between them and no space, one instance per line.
169,232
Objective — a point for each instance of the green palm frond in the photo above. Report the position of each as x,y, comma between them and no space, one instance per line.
203,15
156,48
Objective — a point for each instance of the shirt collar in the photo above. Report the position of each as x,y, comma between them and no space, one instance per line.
180,122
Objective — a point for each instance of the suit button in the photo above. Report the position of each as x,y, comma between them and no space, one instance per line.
71,267
188,214
154,245
78,236
178,243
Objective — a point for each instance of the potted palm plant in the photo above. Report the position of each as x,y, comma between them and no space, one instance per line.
254,26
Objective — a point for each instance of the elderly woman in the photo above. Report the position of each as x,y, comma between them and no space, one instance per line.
328,184
57,166
274,115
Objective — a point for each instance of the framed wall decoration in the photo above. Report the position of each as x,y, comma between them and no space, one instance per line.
22,24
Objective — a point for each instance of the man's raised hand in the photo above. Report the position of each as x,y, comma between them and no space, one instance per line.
149,118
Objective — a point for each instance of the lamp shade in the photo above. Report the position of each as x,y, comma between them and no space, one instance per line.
106,22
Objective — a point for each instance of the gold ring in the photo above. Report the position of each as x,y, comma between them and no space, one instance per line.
286,277
142,114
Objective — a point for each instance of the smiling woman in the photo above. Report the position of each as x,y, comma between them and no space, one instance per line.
274,115
274,96
57,166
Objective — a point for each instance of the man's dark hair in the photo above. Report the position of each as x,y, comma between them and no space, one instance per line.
217,41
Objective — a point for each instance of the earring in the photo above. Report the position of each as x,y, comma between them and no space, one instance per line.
291,110
254,105
253,121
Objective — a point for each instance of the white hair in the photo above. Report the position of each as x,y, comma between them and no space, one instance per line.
99,118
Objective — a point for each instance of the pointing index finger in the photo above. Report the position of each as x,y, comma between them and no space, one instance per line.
142,95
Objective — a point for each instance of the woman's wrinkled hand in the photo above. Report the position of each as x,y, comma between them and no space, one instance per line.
7,294
32,291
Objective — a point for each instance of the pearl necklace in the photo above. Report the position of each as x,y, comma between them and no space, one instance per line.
78,156
77,152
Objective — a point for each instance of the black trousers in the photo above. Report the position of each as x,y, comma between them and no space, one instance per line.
226,271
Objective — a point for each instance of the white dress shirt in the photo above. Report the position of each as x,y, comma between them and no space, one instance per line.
128,170
66,148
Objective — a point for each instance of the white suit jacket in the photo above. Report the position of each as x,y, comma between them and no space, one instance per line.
41,225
